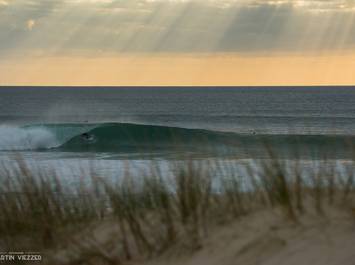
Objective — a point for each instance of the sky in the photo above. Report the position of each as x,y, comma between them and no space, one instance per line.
177,42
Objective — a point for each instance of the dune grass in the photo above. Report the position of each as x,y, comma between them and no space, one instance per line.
152,213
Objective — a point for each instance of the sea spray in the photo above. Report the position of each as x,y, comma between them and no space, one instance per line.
18,138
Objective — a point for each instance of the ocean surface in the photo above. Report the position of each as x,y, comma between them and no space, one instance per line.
64,127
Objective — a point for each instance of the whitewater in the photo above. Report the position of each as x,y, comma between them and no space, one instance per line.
16,138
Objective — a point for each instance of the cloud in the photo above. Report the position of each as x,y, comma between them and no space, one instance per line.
243,26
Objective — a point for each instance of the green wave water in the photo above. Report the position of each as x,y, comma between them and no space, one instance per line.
118,137
124,137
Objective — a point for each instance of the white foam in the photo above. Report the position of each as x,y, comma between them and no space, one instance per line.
16,138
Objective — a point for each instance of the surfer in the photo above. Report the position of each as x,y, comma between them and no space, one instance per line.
87,137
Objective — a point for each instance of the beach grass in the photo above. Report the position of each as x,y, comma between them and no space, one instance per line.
147,216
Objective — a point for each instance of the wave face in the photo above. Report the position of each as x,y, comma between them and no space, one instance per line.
134,138
124,137
17,138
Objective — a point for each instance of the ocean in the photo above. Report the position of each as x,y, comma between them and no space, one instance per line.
71,129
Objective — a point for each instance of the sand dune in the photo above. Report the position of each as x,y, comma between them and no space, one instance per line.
265,239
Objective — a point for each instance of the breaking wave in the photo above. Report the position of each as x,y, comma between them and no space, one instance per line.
125,137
